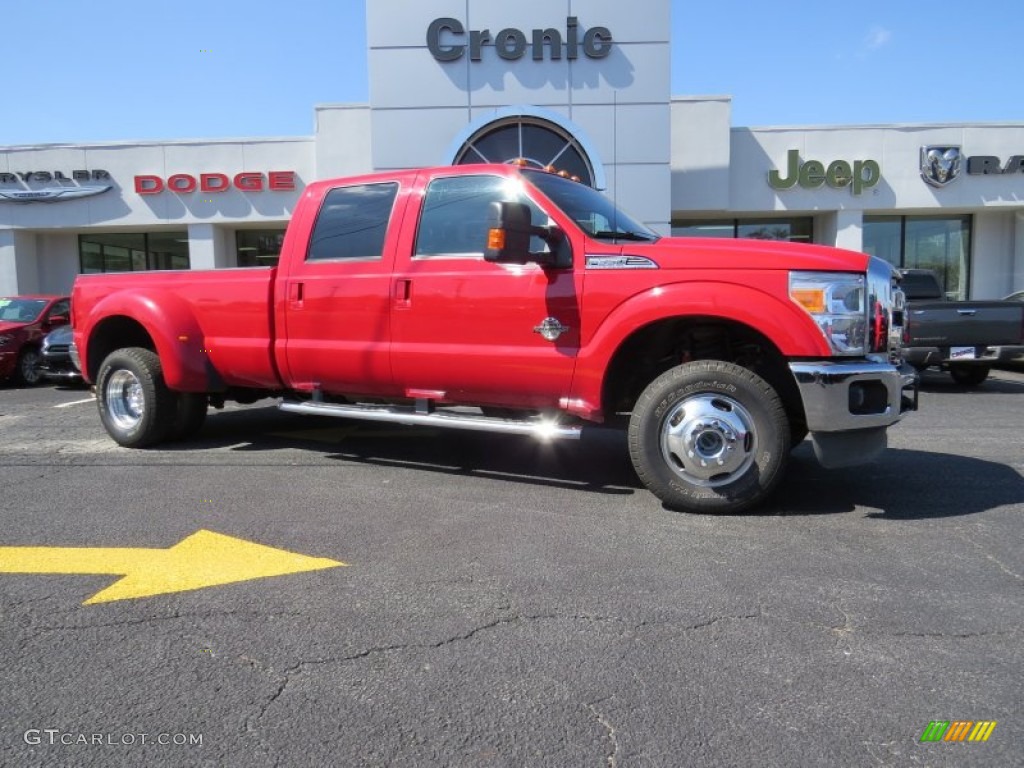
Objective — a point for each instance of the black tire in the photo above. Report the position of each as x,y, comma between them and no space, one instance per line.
27,371
709,436
969,375
191,414
136,408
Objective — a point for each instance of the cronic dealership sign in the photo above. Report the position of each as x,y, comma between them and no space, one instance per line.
448,40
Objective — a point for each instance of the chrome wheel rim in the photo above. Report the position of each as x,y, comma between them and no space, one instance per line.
125,399
708,440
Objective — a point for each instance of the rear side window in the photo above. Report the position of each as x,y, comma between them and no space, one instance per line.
353,222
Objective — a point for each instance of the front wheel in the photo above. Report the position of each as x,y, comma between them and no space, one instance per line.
709,436
135,406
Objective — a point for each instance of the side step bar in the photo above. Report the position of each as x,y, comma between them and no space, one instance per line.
538,428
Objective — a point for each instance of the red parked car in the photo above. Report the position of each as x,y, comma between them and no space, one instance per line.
24,322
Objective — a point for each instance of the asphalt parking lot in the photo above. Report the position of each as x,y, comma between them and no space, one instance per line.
504,602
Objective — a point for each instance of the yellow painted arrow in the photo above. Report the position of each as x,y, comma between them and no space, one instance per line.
204,559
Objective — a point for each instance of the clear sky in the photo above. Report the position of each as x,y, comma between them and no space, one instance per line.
105,70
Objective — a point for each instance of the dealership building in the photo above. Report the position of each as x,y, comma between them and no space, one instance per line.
583,85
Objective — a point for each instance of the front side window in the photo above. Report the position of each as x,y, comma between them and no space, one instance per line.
456,215
353,222
60,308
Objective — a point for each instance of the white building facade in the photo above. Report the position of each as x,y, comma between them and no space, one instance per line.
579,84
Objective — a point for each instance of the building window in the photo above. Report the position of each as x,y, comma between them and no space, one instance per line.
132,251
258,247
799,230
939,243
538,142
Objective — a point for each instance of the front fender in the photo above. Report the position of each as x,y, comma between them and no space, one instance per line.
171,323
782,322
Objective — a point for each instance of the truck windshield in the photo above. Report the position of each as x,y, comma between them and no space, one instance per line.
594,213
21,310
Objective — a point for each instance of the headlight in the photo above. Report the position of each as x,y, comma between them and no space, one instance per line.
836,301
5,340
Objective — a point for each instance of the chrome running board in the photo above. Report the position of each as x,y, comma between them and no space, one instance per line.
539,428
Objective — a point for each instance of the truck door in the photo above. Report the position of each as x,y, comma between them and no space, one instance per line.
469,328
336,295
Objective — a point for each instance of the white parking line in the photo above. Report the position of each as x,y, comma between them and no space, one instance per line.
75,402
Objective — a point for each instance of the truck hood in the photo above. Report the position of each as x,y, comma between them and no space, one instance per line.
712,253
6,326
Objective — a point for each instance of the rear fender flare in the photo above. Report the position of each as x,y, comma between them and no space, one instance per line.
172,325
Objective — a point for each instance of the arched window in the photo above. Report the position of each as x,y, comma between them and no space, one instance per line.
539,142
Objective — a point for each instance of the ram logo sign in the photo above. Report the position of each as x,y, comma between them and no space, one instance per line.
940,165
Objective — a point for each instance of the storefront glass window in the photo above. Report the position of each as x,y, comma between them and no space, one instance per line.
797,229
258,247
883,237
939,243
538,142
133,251
91,255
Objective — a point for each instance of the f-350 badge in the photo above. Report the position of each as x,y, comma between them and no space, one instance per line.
550,328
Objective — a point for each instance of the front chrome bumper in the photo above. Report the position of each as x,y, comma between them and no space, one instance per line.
841,396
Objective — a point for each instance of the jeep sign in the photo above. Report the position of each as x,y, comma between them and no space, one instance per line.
860,175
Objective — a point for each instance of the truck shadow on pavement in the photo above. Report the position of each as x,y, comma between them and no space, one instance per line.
902,485
599,463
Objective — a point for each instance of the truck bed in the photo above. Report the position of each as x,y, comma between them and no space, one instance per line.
963,323
223,318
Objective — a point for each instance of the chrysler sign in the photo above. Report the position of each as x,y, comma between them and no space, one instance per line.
52,193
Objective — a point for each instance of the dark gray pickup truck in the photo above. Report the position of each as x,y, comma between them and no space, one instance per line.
962,337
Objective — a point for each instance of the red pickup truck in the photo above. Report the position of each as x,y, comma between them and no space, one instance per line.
501,298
